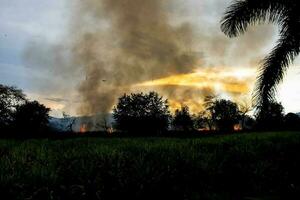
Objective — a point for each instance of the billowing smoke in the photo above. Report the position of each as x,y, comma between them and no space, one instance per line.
124,42
114,46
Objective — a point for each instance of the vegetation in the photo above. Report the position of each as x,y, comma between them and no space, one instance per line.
291,122
285,13
31,117
183,120
236,166
224,113
10,97
271,117
240,166
17,113
138,112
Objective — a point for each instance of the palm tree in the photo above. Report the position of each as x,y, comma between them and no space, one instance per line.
285,13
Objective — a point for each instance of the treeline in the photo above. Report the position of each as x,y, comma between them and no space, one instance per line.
148,114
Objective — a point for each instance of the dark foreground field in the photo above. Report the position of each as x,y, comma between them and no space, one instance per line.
245,166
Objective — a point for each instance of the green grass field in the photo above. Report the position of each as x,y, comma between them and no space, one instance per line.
241,166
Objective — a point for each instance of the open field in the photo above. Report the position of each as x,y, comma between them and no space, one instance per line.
241,166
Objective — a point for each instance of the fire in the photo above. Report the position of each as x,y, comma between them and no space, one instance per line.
83,128
110,130
237,127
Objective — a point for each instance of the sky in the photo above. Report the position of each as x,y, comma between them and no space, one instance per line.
73,56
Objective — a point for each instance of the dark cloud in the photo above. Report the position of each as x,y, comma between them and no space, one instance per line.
139,44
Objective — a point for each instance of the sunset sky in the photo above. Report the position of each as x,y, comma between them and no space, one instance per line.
52,50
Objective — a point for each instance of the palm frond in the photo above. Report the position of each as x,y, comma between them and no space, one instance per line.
243,13
274,67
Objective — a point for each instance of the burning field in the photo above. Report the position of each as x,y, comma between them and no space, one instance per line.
148,99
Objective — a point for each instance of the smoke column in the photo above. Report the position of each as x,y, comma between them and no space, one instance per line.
122,42
112,46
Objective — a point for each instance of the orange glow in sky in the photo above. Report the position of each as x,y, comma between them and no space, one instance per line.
227,79
232,82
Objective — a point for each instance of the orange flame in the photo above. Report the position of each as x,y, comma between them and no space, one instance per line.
83,128
237,127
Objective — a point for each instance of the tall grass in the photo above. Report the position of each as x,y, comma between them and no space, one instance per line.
241,166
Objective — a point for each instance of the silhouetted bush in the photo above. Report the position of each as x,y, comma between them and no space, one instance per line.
292,122
142,113
31,117
183,120
247,122
20,117
224,114
270,117
203,121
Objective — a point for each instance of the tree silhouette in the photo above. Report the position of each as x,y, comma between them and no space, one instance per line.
183,120
224,113
285,13
247,121
10,97
204,119
270,117
142,113
31,117
292,122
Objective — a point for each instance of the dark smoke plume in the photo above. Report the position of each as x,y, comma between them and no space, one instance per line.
123,42
111,46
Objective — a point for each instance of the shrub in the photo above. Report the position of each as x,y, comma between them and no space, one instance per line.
31,117
183,120
270,117
224,114
143,113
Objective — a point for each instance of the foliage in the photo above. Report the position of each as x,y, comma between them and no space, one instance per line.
31,116
241,14
224,114
142,112
270,117
291,122
240,166
203,122
183,120
10,97
247,122
17,114
204,118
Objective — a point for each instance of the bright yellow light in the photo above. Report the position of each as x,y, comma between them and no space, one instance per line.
225,81
221,79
